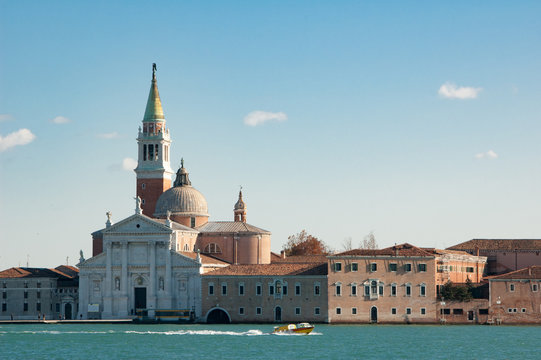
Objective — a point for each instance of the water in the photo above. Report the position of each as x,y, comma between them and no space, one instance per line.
104,341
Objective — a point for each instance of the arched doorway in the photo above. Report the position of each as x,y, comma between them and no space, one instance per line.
277,314
218,316
67,311
374,314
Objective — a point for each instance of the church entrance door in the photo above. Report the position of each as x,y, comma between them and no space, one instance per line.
67,311
140,295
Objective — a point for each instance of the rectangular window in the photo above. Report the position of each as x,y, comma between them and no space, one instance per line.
353,290
38,285
423,311
316,289
408,311
523,310
284,289
483,311
393,267
4,285
422,267
224,289
4,307
373,267
25,307
4,295
381,290
535,287
156,149
511,287
393,311
258,311
258,289
38,294
298,289
297,311
26,294
338,290
241,289
316,311
241,311
393,290
354,267
469,269
38,306
423,290
408,290
353,311
211,288
338,311
337,266
458,311
367,290
192,222
407,267
271,289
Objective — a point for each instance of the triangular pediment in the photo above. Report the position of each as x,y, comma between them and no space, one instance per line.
138,224
98,260
181,260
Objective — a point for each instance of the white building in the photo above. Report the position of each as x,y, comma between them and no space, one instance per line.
140,268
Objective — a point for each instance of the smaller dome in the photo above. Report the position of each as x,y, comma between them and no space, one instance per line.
240,205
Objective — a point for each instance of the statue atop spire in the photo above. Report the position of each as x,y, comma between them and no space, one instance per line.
154,68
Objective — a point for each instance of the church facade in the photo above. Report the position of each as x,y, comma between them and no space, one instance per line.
154,259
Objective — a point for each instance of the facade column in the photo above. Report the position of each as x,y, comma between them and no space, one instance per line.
152,283
123,300
108,299
167,284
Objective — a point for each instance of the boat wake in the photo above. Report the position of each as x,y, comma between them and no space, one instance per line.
200,332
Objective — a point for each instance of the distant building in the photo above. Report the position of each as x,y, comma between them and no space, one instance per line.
288,290
504,255
32,293
515,297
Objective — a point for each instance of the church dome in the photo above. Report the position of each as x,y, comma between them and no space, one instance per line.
182,198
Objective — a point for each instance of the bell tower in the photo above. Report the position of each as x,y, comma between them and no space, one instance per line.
153,166
240,209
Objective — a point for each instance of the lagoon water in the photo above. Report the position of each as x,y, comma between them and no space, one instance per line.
120,341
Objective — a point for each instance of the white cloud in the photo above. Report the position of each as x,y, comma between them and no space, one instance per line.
129,164
19,137
5,117
259,117
60,120
108,136
487,155
452,91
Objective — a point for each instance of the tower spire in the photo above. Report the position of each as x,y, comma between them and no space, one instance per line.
240,209
154,110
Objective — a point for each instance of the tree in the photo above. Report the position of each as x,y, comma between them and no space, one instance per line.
305,244
347,244
453,292
369,242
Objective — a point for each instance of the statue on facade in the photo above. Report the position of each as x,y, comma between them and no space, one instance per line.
138,209
81,256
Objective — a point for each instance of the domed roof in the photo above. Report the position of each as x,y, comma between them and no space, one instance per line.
182,198
240,205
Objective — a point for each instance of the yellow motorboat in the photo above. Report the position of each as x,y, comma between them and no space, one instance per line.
301,328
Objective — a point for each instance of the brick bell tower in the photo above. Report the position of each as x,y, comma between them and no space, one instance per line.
153,166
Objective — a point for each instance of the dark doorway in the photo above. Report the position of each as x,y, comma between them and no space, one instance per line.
374,314
470,315
140,297
218,316
278,314
67,311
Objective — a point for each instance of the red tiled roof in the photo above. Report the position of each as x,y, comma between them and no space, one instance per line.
532,272
396,250
278,269
301,259
205,259
499,244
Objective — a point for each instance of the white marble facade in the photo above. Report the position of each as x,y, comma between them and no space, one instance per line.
139,268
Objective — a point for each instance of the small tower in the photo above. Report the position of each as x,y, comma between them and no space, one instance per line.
240,209
153,166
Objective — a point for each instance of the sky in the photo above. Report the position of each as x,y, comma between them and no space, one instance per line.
418,121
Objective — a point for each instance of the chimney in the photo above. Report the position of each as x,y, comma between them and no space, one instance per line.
530,270
476,250
282,254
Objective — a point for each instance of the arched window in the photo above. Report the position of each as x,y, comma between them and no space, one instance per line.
186,247
374,287
212,248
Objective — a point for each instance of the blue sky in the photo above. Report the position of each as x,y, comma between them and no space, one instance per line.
419,121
